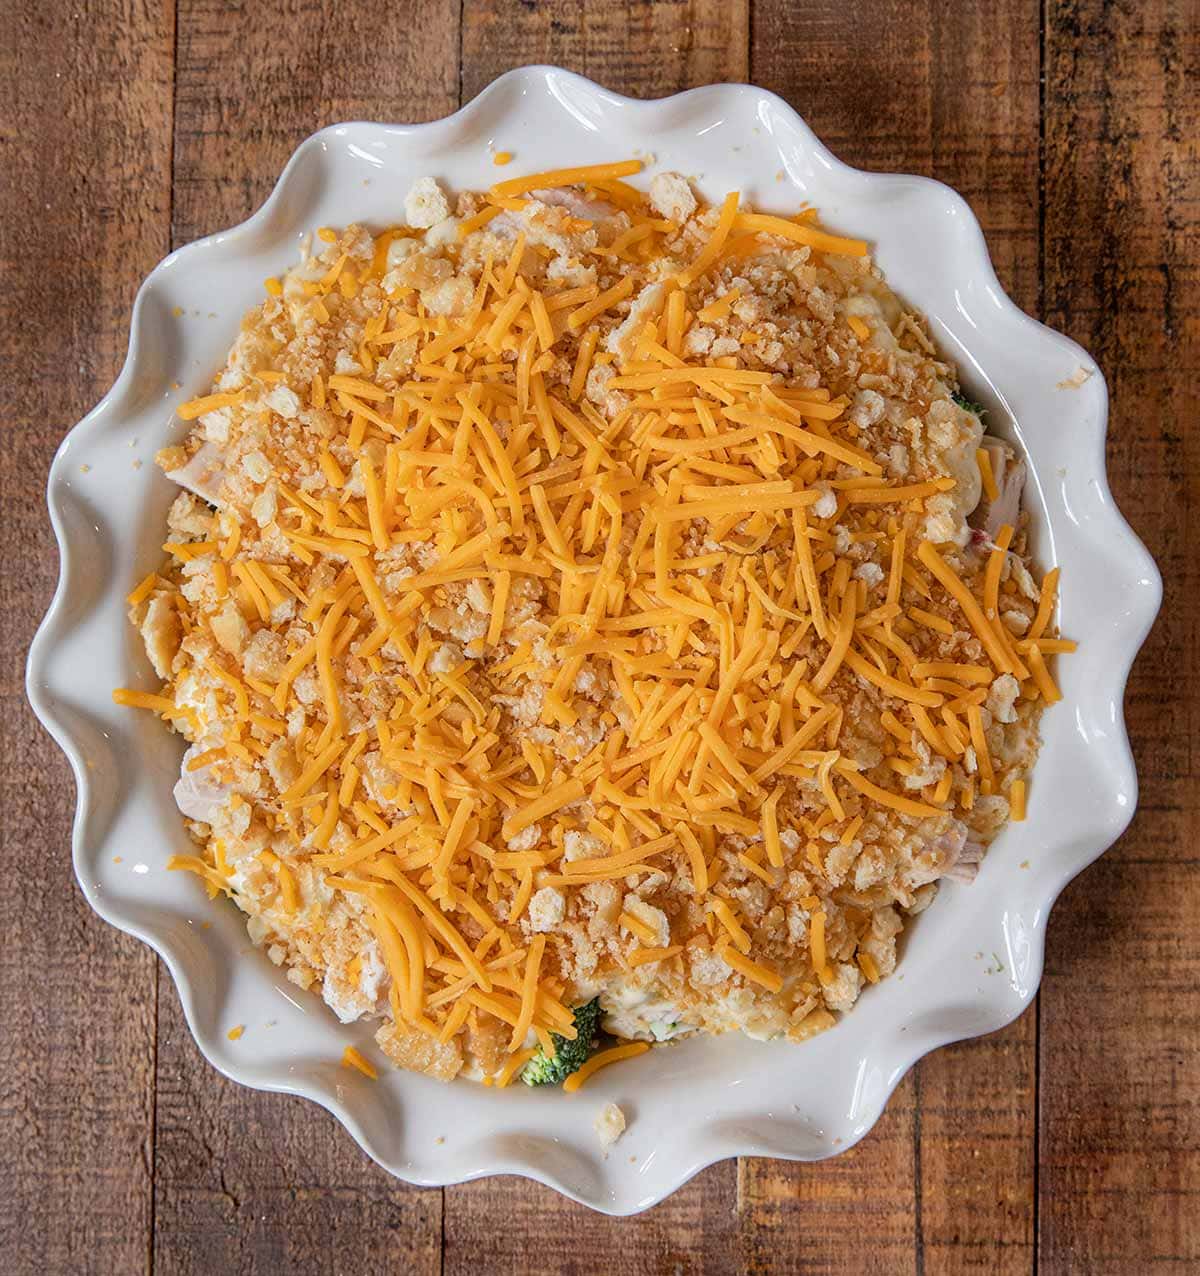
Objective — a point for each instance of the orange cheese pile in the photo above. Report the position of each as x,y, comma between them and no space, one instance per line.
676,546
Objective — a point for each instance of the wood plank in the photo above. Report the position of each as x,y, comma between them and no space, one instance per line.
961,90
248,1181
854,1213
85,114
505,1226
1120,1090
956,1137
253,81
647,50
643,49
954,95
977,1106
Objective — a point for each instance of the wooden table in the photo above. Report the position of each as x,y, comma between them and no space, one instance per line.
1066,1143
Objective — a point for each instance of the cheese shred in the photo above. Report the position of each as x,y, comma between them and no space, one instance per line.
553,610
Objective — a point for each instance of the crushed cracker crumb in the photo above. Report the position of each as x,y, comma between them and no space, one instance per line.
565,599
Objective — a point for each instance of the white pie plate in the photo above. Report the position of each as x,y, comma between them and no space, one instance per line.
970,964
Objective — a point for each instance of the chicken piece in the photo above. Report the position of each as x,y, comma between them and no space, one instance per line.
966,864
161,633
1009,472
592,210
952,854
959,855
197,794
543,220
203,474
647,305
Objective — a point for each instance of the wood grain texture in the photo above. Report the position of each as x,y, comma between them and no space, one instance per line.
1120,1082
247,1181
255,77
261,1183
85,128
510,1227
854,1213
948,1176
648,50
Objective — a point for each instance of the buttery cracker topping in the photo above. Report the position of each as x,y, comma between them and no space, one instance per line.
576,593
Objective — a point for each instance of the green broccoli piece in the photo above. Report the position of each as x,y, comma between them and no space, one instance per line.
966,404
571,1055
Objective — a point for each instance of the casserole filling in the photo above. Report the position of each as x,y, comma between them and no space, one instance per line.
590,611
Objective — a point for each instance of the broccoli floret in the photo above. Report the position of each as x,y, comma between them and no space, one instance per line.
571,1055
963,402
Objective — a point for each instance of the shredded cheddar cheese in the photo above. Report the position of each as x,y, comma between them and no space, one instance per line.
1016,800
553,611
603,1060
352,1058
